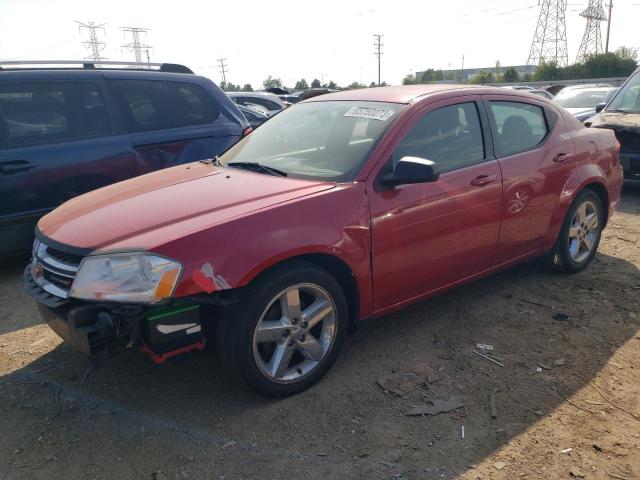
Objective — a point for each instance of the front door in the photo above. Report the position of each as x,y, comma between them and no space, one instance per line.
427,236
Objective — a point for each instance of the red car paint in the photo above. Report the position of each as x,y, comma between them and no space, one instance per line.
400,244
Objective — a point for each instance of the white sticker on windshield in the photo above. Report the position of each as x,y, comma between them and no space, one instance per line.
382,114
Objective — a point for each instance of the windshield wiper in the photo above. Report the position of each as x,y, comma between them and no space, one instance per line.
258,167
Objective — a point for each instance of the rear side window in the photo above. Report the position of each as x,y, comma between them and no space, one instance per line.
521,126
49,112
449,136
157,105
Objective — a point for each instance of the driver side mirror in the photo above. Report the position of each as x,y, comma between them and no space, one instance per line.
600,107
411,170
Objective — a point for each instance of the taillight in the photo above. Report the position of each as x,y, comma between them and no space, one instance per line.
617,146
246,131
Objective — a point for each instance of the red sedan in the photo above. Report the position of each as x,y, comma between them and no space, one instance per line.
344,207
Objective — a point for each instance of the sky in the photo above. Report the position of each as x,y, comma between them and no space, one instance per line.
329,40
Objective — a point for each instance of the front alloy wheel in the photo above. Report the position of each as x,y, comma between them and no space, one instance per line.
295,333
286,330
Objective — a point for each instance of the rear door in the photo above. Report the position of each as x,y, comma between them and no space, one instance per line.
174,122
536,156
56,142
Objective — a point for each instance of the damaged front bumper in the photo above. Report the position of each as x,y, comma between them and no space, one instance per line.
98,328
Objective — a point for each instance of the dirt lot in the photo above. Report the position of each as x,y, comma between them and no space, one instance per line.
567,399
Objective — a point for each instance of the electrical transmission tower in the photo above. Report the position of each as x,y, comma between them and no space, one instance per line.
223,71
592,38
550,38
94,45
136,46
377,43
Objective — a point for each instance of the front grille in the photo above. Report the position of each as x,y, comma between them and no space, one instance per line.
53,270
70,258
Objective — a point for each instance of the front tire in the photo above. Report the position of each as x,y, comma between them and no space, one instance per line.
286,331
580,234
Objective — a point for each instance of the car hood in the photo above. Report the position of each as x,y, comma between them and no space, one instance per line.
150,210
626,126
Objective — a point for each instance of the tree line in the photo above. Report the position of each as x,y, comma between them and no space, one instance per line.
300,85
620,63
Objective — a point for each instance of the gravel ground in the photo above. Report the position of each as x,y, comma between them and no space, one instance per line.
567,400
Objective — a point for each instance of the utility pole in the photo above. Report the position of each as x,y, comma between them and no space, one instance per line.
223,71
135,46
148,58
462,70
606,46
378,52
94,45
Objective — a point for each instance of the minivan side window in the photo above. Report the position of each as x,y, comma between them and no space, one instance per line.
157,105
520,126
450,136
36,113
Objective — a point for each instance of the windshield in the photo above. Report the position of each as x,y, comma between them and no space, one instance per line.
581,98
628,98
326,141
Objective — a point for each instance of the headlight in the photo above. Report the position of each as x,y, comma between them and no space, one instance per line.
126,277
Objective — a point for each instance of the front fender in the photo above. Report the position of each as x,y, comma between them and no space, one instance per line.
232,254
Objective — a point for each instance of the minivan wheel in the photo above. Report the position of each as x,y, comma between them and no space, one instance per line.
580,235
286,331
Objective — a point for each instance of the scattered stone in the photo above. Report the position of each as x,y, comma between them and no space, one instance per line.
538,413
560,316
577,473
566,450
621,452
499,465
598,447
50,458
559,362
229,444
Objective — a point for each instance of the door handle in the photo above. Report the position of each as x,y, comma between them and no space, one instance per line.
483,180
561,157
16,166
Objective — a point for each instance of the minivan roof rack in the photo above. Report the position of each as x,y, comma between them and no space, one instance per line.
91,64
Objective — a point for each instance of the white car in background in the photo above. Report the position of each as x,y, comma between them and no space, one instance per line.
581,100
271,102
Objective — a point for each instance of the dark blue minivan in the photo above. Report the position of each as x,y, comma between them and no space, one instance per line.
66,131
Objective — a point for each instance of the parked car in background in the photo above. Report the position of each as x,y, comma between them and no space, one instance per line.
542,93
345,207
519,87
255,116
622,115
66,131
581,100
270,101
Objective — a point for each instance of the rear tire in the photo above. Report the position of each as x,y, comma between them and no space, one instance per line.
580,235
286,331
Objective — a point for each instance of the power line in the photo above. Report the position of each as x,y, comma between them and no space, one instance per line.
94,45
223,71
592,38
378,51
550,37
136,46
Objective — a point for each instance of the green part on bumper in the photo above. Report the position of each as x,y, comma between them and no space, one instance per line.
167,312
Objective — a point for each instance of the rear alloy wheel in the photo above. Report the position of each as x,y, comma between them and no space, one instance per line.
286,331
580,234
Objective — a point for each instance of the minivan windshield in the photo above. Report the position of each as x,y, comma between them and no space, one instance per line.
628,98
325,140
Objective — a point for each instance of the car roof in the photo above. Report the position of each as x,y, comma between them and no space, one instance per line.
409,93
252,94
70,73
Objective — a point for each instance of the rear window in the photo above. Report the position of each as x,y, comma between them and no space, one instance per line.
157,105
49,112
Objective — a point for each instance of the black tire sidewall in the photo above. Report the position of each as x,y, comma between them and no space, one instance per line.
568,263
240,327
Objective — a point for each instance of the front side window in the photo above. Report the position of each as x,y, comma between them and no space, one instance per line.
449,136
628,98
157,105
49,112
317,140
520,126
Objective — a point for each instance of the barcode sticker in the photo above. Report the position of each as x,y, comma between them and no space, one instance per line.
382,114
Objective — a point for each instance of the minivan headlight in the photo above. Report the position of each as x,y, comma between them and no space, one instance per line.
126,277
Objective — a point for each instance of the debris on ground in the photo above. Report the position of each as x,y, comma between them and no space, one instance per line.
561,317
576,473
559,362
566,450
492,403
499,465
402,383
484,347
544,366
436,406
489,357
